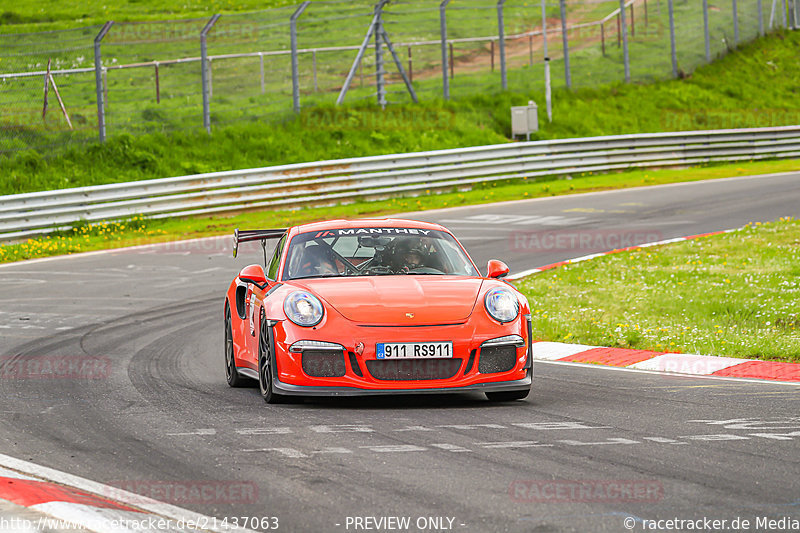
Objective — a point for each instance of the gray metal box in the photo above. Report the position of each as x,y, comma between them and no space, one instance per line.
524,119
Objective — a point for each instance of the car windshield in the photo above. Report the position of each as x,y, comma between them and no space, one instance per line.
375,252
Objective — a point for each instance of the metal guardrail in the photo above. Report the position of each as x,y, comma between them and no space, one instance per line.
325,182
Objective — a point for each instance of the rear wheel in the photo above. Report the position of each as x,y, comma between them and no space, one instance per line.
507,395
231,375
265,377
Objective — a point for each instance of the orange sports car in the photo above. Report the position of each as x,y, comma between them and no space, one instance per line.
365,307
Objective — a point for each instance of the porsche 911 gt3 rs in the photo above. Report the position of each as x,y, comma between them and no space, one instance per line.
374,307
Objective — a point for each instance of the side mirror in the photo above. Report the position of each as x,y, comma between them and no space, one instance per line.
254,274
496,269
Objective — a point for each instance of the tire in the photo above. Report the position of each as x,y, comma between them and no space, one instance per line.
231,375
265,365
507,395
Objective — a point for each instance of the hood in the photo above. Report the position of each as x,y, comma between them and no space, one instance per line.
387,300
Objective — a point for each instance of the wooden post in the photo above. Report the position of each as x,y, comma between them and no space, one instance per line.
60,102
46,88
633,26
603,37
314,57
261,58
452,63
530,48
410,66
210,82
619,33
491,46
158,87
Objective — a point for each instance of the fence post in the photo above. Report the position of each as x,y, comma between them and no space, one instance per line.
158,86
314,60
548,94
706,32
544,28
380,80
760,19
502,40
373,29
410,65
98,79
452,63
443,36
204,72
261,71
625,57
788,8
530,49
783,13
645,13
633,22
603,37
674,52
210,80
295,68
735,25
565,41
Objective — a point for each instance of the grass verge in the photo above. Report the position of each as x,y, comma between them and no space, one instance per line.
710,296
140,230
753,86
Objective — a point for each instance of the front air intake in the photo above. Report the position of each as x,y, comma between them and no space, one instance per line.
413,369
495,359
323,363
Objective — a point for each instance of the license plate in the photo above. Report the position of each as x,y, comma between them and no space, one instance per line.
414,350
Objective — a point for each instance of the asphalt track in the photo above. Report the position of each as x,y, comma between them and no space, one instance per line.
158,413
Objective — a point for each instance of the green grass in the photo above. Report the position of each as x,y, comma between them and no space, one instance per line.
751,87
711,296
33,16
138,230
238,101
38,16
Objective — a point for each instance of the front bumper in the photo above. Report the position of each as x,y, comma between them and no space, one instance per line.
353,376
310,390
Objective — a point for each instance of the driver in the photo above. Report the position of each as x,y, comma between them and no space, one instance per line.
317,262
407,257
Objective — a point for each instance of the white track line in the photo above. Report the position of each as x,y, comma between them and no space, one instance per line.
91,516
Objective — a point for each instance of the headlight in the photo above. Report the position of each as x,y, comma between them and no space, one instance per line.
501,305
303,308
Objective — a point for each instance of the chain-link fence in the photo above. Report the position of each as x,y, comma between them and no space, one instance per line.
262,66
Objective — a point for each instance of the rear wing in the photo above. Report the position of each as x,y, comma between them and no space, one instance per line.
255,235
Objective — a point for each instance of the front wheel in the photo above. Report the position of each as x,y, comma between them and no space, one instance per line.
265,365
507,395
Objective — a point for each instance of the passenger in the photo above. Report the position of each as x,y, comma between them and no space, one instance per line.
317,262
